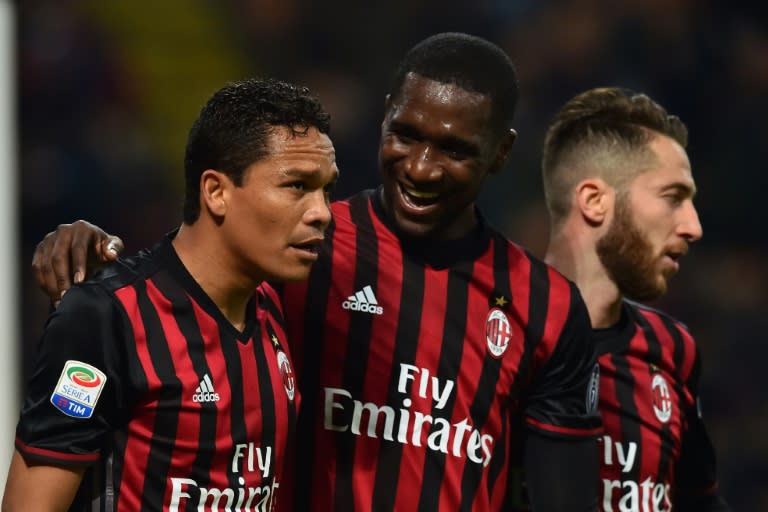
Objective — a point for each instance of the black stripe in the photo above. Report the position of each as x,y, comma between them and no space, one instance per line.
678,358
489,376
267,393
630,418
665,436
538,310
451,351
406,345
186,320
358,339
140,386
168,406
310,349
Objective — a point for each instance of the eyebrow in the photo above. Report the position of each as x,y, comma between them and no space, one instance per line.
681,187
444,142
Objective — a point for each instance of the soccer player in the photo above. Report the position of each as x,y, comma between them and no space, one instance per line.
423,337
619,190
164,382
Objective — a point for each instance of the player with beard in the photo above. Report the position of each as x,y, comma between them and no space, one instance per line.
620,192
423,336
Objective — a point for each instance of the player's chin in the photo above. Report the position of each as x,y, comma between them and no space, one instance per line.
299,271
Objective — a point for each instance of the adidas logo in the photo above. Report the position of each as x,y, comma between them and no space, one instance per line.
204,391
364,301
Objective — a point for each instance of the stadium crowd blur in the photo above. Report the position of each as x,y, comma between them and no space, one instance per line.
108,90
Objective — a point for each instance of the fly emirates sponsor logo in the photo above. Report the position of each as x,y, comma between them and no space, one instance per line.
342,413
246,460
628,495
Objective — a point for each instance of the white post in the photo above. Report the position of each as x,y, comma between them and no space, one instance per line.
9,243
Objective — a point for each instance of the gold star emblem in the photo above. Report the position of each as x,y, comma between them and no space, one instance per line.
275,340
501,301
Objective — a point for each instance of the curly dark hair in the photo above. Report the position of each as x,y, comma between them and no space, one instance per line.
473,63
233,129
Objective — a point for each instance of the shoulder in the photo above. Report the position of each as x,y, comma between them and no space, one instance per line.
656,315
126,271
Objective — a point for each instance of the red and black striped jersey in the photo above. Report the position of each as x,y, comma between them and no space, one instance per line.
415,359
142,378
655,446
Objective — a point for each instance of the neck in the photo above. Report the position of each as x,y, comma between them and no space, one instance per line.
205,258
576,258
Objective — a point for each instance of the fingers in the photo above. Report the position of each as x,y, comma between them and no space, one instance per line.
62,257
111,248
43,264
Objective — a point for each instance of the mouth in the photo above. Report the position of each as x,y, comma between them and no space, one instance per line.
673,257
308,249
418,199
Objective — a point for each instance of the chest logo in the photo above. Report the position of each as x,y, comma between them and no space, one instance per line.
662,400
498,332
78,389
289,382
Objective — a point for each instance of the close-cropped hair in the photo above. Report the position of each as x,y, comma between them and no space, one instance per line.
602,133
234,127
470,62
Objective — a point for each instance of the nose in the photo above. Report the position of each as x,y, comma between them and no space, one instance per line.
690,226
318,213
421,164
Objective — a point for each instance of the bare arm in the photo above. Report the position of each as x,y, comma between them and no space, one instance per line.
38,487
65,255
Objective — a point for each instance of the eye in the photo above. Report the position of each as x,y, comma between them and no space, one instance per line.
298,185
457,155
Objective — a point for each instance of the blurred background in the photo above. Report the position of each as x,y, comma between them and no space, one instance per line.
106,92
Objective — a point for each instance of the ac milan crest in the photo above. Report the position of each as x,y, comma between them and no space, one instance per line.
289,383
498,332
662,401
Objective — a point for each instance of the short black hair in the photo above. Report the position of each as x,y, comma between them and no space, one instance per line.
473,63
233,128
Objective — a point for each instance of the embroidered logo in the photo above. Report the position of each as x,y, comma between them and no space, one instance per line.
78,389
289,382
498,332
662,401
593,389
204,391
364,301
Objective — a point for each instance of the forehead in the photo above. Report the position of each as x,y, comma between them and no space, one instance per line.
440,105
670,167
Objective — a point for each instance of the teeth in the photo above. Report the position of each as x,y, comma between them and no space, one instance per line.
419,194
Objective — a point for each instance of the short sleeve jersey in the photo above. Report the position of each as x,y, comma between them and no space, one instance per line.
141,378
655,445
416,359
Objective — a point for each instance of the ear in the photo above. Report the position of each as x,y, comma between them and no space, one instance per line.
594,199
214,187
505,146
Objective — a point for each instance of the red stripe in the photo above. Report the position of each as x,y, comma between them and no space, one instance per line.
564,430
388,290
188,422
342,277
557,314
50,454
140,428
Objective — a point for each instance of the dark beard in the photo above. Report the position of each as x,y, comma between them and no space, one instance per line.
628,257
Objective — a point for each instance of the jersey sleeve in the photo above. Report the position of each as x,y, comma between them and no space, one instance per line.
563,396
696,485
73,397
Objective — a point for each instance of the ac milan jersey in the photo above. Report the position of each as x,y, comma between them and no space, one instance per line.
143,379
655,444
415,358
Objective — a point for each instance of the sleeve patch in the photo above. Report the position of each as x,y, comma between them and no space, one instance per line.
78,389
